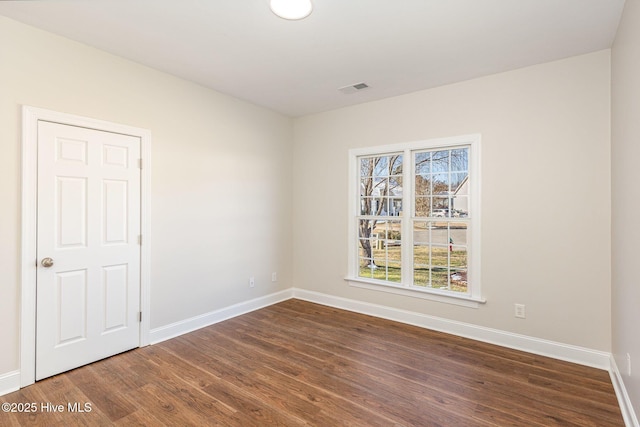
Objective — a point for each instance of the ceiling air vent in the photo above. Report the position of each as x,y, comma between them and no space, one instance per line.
353,88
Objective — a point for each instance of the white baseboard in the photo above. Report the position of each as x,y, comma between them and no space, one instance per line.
556,350
9,382
629,415
188,325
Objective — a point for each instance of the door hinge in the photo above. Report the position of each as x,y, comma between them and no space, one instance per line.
140,239
139,163
139,316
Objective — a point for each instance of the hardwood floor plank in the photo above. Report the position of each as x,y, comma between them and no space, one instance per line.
408,403
60,390
295,396
494,365
170,376
100,393
409,374
508,387
143,417
253,379
301,364
47,397
170,409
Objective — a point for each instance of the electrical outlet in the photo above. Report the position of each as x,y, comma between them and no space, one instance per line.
252,282
520,312
274,277
628,364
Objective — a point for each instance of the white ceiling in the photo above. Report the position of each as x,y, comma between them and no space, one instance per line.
240,48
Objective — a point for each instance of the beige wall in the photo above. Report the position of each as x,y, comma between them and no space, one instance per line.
625,110
221,175
545,194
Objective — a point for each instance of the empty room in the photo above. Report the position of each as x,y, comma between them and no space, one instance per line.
319,212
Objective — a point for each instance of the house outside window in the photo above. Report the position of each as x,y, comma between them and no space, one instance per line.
414,220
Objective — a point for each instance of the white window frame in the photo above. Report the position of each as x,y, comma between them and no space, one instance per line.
470,299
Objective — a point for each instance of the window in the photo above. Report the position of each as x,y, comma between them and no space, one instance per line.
414,219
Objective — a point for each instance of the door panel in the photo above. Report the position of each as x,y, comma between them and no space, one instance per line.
115,220
115,288
88,223
71,212
71,301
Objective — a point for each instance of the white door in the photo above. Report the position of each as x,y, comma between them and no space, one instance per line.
88,253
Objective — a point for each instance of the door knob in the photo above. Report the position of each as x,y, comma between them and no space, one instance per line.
47,262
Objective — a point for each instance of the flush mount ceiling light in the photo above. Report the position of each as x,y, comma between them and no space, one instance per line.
291,9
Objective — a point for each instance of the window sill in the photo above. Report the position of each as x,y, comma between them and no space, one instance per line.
416,292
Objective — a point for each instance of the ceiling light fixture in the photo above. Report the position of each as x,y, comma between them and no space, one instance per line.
291,9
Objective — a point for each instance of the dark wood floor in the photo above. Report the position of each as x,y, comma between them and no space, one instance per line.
297,363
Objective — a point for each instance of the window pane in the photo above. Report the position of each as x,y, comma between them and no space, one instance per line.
380,254
458,256
422,189
439,278
439,267
366,166
440,257
458,234
395,165
385,207
423,206
440,234
381,166
442,174
423,163
459,183
460,207
459,281
421,264
440,184
381,185
460,160
458,259
367,270
440,161
366,185
395,186
381,206
365,228
381,169
366,204
395,206
422,232
423,185
460,195
367,242
440,207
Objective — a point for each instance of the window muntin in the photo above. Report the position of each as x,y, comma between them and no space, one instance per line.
379,235
441,194
381,185
440,258
441,180
417,217
380,252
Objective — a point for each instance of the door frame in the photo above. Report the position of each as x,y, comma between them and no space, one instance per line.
30,118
